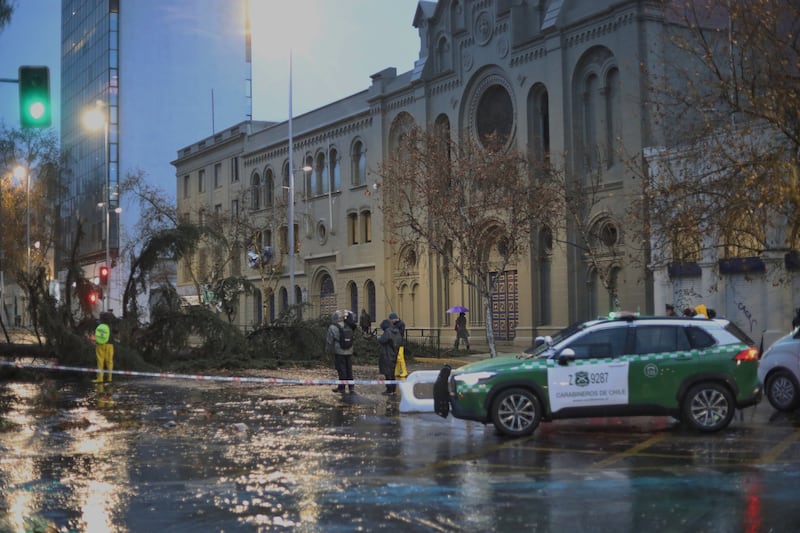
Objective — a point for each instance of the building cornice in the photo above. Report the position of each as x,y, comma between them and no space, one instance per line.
325,133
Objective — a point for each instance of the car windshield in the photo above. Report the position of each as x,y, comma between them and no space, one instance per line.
536,351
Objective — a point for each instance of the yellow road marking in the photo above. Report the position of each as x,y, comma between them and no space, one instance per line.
630,451
443,361
778,449
472,456
529,443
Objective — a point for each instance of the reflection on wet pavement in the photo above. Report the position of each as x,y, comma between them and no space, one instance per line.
158,455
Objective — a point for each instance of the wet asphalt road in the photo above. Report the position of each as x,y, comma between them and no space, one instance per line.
177,455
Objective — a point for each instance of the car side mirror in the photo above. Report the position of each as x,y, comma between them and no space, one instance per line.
547,339
566,356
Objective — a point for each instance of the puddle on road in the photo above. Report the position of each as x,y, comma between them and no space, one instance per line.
155,455
91,457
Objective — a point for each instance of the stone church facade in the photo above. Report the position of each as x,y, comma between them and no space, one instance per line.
564,77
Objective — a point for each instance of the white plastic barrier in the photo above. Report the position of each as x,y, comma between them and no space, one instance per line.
409,403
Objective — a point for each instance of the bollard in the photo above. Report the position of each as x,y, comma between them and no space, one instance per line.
409,403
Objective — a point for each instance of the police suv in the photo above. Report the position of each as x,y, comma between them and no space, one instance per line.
694,369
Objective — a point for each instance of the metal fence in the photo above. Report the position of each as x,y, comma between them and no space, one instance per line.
426,341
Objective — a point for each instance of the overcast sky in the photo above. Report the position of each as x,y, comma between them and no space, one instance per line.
175,53
336,45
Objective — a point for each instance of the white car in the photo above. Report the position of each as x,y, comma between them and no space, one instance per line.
779,371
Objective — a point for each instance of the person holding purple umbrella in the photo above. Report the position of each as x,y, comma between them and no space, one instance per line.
461,330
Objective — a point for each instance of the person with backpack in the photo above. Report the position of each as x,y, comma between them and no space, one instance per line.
339,342
389,344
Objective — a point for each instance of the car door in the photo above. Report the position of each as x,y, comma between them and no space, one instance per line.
596,378
661,359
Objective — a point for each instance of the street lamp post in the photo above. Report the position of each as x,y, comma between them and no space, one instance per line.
28,221
21,172
107,202
94,119
2,279
292,170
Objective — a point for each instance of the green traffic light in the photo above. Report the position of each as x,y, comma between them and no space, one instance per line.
34,97
37,110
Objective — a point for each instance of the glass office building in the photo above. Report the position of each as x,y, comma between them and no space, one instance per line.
90,80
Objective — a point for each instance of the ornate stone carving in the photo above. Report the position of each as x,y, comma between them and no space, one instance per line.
502,47
483,28
466,60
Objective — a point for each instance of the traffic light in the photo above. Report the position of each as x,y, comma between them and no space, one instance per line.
34,97
92,298
104,272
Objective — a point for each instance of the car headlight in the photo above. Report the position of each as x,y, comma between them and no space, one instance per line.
473,378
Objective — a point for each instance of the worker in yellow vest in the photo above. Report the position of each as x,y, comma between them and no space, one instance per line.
104,350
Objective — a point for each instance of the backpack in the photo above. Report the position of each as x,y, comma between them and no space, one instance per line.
102,334
345,336
396,338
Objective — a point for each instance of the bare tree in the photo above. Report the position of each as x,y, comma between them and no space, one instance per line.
6,10
473,203
28,210
727,99
212,247
157,240
264,258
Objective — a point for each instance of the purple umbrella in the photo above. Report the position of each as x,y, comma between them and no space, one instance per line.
458,309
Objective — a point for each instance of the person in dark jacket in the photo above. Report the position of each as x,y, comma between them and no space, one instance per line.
342,357
389,342
365,321
462,333
398,323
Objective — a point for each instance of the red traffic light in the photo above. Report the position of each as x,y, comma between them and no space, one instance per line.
104,272
92,298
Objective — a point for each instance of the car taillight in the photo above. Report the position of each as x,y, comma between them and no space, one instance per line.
748,354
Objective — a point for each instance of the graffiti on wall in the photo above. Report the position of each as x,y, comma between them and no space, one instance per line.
748,315
686,297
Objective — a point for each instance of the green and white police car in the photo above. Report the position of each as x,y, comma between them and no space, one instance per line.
696,370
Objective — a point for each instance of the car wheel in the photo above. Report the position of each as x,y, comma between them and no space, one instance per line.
708,407
516,412
781,391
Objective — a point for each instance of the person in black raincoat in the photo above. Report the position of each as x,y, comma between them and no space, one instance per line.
365,321
389,343
462,333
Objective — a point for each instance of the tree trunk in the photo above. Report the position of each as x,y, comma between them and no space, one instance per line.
487,305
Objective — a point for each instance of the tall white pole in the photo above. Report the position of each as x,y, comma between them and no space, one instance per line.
248,59
291,193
